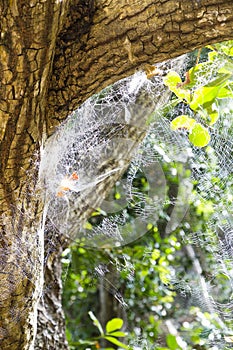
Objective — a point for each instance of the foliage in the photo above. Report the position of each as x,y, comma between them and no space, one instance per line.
155,277
112,333
203,100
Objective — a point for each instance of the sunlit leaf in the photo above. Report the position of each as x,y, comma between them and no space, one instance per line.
182,122
219,81
172,342
199,136
212,55
114,324
196,71
212,114
225,92
164,278
227,68
88,226
226,47
155,254
98,211
118,334
203,95
173,80
116,342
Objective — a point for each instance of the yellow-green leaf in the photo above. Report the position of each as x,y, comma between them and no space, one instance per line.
155,254
199,136
116,342
212,114
183,121
118,334
203,95
221,80
227,68
173,80
226,92
212,55
172,342
114,324
88,226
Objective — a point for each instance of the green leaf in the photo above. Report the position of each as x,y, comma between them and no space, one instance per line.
226,92
155,254
212,55
183,121
226,47
212,114
116,342
220,81
196,71
203,95
114,324
88,225
199,136
118,334
96,322
172,342
164,278
172,80
68,335
227,68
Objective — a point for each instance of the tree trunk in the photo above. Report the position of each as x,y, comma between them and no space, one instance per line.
54,55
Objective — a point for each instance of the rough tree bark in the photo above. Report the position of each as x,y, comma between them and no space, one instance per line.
54,55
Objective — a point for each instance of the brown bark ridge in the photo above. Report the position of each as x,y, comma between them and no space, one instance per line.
29,31
54,55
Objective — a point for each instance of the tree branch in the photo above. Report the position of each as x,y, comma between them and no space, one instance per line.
114,39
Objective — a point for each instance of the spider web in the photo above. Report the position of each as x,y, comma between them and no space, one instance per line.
84,153
96,142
